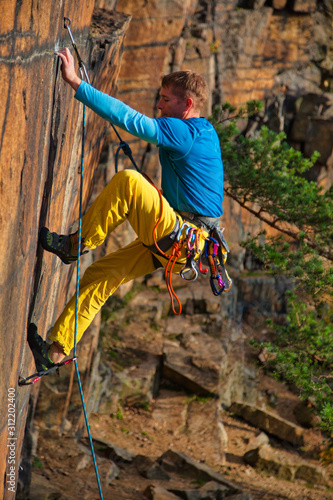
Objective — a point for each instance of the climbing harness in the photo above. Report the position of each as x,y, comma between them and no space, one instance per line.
188,236
215,252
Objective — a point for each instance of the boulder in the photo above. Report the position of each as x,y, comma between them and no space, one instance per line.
269,422
212,489
312,474
110,451
150,469
283,466
194,362
174,461
153,492
258,441
137,384
269,460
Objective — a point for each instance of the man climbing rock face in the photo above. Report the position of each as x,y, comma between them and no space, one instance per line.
192,186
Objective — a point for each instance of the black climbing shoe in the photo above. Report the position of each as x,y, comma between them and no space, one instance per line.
40,350
59,244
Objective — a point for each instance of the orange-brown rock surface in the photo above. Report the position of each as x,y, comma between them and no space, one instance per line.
281,53
40,154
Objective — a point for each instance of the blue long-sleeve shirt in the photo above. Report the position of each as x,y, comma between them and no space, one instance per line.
189,151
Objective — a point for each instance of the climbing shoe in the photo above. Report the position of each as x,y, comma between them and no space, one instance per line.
40,350
59,244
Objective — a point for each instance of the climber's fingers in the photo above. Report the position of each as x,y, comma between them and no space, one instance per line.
68,65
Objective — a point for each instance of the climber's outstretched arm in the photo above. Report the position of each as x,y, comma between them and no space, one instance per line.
107,107
118,113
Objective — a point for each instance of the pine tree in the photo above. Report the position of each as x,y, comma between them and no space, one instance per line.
268,178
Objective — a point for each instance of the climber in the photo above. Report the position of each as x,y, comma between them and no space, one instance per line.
192,186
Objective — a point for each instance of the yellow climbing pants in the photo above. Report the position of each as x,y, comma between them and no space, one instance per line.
127,196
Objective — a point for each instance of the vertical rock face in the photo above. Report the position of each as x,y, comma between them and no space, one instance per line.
40,152
282,53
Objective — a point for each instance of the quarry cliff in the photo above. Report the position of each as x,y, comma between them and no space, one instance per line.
280,53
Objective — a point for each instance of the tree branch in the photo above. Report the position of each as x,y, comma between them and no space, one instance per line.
293,233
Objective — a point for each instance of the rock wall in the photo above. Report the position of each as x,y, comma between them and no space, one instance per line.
40,153
281,53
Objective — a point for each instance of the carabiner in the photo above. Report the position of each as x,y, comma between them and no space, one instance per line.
220,283
225,277
191,238
82,67
190,267
184,224
211,242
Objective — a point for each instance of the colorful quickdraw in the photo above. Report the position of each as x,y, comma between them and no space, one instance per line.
217,268
38,375
190,270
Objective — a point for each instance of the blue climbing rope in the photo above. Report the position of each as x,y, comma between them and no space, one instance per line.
84,74
77,309
127,150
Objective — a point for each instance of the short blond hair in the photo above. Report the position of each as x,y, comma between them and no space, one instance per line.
187,83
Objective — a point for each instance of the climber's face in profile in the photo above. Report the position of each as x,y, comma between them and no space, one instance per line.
173,106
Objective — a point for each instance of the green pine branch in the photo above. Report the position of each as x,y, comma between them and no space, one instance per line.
267,177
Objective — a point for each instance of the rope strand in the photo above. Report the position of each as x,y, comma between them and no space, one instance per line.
84,73
77,309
